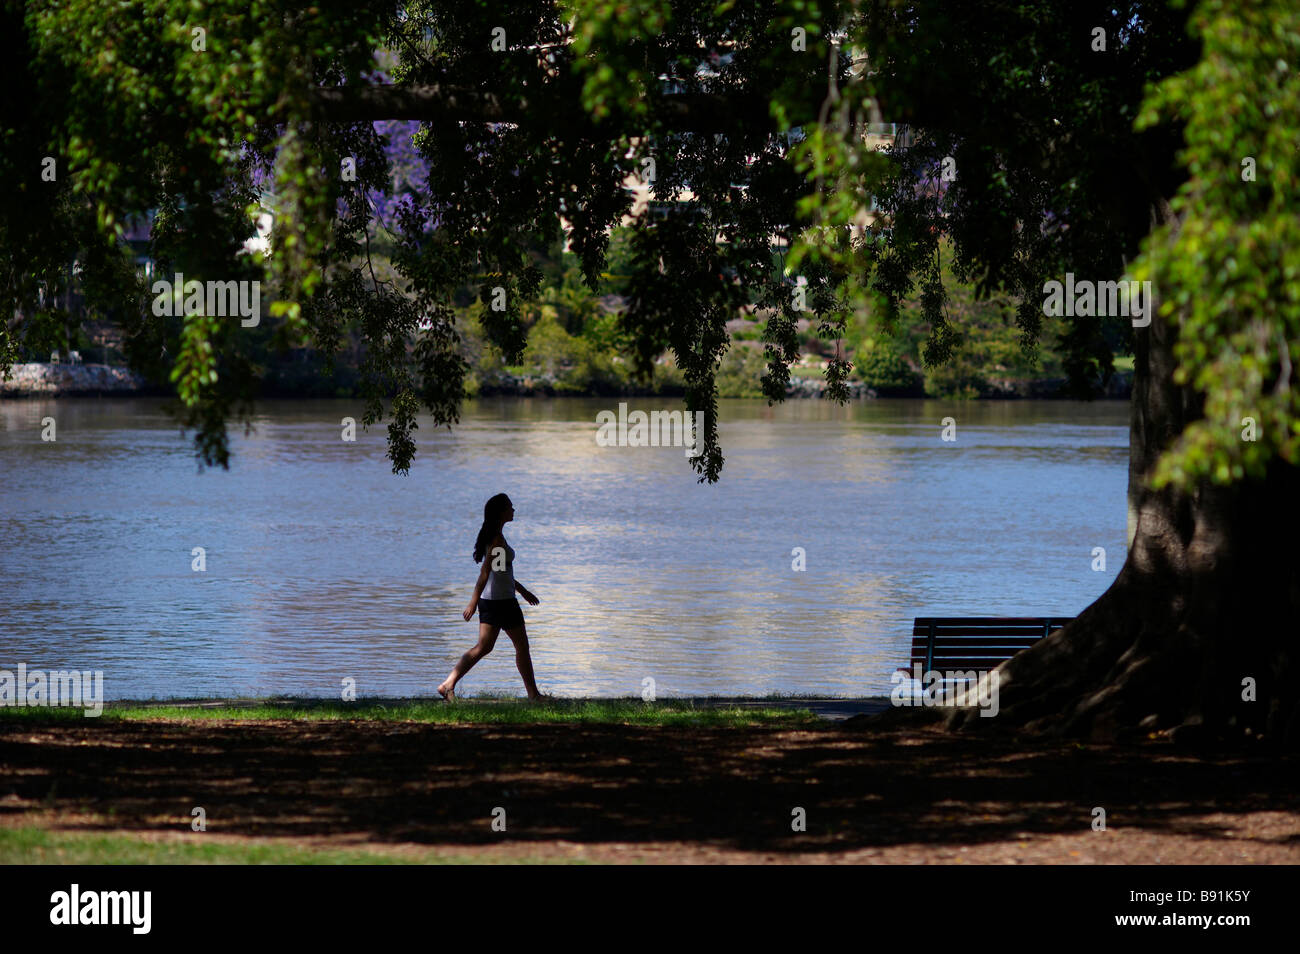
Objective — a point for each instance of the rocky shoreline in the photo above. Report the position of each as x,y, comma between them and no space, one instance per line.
41,379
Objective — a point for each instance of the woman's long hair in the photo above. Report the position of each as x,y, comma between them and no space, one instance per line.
493,510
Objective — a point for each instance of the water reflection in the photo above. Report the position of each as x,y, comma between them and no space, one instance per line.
322,565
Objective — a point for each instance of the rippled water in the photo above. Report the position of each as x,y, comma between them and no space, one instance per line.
322,564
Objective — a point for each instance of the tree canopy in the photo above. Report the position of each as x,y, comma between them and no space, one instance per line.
1058,145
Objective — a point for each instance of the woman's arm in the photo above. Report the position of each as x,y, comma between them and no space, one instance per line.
478,590
520,589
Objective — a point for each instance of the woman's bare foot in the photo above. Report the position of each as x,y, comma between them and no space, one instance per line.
449,695
540,697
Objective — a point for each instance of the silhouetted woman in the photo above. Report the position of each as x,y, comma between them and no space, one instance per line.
494,597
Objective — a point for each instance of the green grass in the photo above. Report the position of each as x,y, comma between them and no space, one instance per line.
668,712
37,846
799,371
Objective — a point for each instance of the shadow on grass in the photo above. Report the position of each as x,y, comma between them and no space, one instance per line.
902,781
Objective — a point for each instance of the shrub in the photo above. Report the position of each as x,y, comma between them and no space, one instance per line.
885,371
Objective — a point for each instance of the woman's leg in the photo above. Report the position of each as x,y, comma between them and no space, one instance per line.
519,636
487,638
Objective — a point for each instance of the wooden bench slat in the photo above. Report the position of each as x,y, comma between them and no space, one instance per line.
1032,632
1002,651
957,653
981,623
975,630
1001,631
977,656
969,651
979,665
958,646
981,645
989,620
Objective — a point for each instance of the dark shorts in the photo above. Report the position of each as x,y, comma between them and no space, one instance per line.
503,613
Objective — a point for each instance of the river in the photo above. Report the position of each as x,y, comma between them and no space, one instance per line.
321,565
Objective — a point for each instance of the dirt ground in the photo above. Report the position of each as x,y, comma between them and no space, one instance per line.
895,793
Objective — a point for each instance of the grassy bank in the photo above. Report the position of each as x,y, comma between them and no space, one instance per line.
478,711
37,846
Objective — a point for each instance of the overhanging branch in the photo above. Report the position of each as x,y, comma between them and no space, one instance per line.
681,112
353,104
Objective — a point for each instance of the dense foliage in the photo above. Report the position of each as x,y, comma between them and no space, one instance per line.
536,113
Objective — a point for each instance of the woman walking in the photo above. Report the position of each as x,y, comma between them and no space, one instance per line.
494,598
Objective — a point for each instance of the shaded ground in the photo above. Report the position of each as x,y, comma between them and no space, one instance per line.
901,791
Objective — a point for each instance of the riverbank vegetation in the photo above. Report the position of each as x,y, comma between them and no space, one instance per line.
576,345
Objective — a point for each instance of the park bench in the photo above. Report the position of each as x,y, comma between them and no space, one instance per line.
975,643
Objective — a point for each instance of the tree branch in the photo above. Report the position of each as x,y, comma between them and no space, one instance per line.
683,112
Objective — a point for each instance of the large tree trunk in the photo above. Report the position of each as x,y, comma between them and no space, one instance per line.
1208,598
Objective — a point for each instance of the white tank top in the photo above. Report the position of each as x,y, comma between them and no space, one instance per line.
501,583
